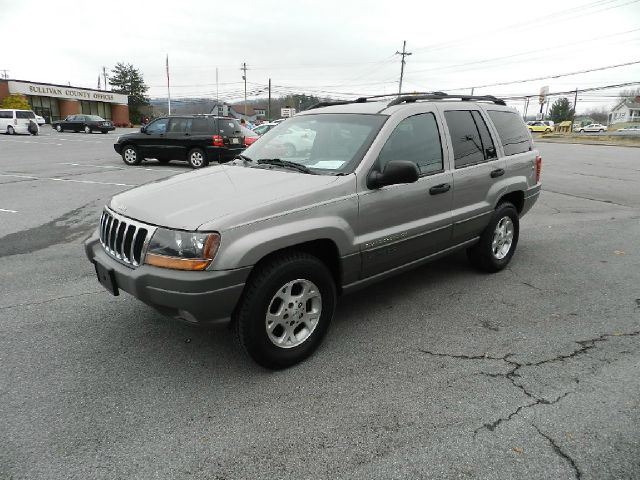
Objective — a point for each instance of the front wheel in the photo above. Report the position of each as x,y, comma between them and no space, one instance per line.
10,130
548,130
196,158
87,129
286,309
498,241
581,130
59,128
130,155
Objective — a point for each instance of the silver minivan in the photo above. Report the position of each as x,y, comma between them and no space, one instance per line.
14,121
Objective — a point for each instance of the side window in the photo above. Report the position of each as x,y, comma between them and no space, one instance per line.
512,132
25,114
203,125
6,114
179,125
228,126
416,139
472,143
158,126
488,147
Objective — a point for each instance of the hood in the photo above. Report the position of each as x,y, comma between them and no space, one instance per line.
192,199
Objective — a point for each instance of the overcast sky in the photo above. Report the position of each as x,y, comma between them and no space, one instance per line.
328,47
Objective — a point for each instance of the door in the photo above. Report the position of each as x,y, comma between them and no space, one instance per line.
176,140
152,141
478,172
68,122
399,224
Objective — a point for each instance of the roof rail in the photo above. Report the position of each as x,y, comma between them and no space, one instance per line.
365,99
445,96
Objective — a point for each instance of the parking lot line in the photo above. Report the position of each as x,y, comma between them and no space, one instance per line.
113,167
7,211
55,179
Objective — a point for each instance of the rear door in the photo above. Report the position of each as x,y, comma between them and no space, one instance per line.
6,119
175,144
23,117
477,174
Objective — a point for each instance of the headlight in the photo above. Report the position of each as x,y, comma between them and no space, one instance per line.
182,250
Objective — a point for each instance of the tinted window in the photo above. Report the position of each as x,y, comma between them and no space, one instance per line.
23,114
488,147
6,114
465,138
416,139
513,134
158,126
179,125
94,118
228,126
205,125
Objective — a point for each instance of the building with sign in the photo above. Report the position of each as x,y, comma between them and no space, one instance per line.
54,102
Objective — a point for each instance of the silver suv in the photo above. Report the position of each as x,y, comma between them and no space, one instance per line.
333,199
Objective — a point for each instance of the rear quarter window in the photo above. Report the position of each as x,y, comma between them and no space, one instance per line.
23,114
512,132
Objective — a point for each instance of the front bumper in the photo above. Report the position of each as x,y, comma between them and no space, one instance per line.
197,297
118,148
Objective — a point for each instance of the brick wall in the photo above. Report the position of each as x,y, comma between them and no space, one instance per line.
68,107
119,113
4,89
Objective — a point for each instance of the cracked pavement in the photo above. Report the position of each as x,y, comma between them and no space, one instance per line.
443,372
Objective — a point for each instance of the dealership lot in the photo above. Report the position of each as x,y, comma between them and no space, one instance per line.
439,373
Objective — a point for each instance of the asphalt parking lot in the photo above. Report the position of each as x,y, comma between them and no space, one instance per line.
442,372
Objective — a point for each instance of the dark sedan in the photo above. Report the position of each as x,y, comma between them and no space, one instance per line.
84,123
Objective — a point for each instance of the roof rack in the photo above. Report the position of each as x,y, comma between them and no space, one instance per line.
445,96
413,98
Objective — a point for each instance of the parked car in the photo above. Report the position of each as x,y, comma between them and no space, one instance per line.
40,120
264,128
540,126
630,129
14,121
293,139
83,123
197,139
249,135
271,242
593,127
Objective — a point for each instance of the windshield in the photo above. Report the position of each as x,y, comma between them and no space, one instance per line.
325,143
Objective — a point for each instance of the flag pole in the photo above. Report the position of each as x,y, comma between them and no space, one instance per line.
168,88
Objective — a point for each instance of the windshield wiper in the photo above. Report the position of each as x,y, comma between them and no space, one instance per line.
285,163
244,157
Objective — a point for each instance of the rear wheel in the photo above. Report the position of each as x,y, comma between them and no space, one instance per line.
130,155
59,128
548,130
286,309
196,158
581,130
10,130
498,241
87,129
601,130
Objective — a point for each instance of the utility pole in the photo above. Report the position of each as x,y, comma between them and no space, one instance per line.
402,54
104,74
244,77
575,104
168,87
269,103
5,74
526,107
472,90
217,96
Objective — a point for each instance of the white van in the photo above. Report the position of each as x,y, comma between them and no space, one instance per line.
16,121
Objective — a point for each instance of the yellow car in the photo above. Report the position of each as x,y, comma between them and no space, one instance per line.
544,127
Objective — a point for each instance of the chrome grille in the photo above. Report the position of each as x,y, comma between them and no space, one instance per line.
124,239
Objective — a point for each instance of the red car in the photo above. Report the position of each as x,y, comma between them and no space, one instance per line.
249,135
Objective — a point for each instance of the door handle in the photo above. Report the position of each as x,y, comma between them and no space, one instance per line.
442,188
497,173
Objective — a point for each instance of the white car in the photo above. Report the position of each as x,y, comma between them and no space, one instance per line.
593,127
16,121
40,120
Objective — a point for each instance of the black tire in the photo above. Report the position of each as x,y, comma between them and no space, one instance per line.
263,285
581,130
10,130
548,130
130,155
104,131
87,129
482,254
197,158
59,128
601,130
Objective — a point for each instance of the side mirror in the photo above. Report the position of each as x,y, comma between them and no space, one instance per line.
143,129
395,172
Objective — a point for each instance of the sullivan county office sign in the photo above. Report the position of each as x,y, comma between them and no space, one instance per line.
26,88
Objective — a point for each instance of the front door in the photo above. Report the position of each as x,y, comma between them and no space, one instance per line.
399,224
478,172
150,144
